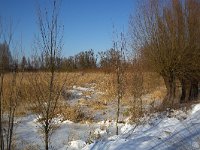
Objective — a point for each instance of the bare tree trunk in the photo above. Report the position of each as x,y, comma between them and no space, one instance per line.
1,99
12,106
194,91
117,120
10,129
119,74
183,91
171,89
189,90
186,86
46,137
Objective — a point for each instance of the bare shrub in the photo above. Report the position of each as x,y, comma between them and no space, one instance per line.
48,90
136,90
10,87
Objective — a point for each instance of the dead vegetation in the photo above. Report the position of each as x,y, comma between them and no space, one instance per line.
102,82
103,89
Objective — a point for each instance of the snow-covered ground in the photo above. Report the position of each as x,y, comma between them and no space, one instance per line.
174,130
179,131
89,93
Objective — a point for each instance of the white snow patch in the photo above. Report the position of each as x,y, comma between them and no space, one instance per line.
195,108
83,88
77,145
126,128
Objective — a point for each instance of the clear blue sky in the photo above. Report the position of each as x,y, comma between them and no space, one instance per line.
88,24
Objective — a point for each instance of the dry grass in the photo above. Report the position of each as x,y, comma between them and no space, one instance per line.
97,105
72,113
102,82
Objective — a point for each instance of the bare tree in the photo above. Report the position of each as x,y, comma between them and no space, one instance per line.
118,55
47,92
1,96
162,33
10,88
189,32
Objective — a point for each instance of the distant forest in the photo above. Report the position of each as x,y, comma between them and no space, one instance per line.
85,60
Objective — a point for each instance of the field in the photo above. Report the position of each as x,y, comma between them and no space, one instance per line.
85,114
93,92
84,98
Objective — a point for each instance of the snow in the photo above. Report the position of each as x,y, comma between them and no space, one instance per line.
172,130
77,93
163,133
83,88
195,108
126,128
76,145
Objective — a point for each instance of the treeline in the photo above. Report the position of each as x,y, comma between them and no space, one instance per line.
85,60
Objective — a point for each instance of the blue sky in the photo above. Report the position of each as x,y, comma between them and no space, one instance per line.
88,24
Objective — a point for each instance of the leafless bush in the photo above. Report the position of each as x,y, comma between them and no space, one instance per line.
137,90
10,87
48,90
119,66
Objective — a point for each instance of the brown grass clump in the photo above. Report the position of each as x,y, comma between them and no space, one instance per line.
97,105
72,113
